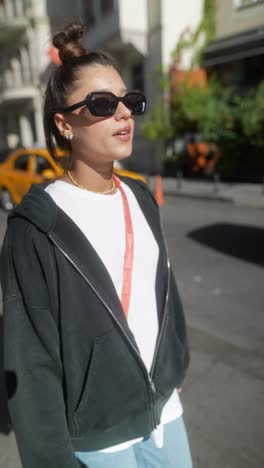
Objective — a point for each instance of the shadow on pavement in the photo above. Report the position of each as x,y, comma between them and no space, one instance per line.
243,242
5,424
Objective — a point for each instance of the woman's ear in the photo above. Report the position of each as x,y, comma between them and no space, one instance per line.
64,127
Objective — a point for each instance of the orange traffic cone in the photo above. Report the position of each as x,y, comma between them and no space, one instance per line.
158,191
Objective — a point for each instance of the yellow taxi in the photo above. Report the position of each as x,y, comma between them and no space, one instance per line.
25,167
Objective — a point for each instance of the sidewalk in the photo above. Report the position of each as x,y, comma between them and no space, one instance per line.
239,194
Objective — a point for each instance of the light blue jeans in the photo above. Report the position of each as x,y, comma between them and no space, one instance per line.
175,452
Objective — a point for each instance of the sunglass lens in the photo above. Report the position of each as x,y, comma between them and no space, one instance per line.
102,105
136,102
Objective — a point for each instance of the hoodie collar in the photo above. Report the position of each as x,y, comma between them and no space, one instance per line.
38,208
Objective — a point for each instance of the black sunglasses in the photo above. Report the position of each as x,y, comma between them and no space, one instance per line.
104,103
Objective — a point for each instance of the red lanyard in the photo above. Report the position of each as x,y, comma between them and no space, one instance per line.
129,251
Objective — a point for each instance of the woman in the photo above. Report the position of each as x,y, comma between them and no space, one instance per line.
94,329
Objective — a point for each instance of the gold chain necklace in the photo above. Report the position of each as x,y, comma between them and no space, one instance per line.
84,188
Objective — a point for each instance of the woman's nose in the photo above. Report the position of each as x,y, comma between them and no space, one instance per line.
122,111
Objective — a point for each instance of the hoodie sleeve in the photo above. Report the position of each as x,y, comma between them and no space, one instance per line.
32,354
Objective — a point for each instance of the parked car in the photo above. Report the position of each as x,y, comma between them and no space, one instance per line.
4,152
25,167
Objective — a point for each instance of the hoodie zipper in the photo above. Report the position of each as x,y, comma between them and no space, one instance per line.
163,323
151,372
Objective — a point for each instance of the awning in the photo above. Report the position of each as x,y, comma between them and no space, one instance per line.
232,48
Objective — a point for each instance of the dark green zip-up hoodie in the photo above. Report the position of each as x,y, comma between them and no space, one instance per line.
79,381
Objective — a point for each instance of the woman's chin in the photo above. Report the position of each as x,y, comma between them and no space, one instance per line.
125,153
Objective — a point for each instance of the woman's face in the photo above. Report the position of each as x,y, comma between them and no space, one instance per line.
99,139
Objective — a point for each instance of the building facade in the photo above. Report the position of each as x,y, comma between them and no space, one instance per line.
25,31
237,54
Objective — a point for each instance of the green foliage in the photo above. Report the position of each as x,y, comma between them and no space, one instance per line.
234,123
164,123
161,78
202,110
252,115
197,110
206,29
209,19
247,2
158,126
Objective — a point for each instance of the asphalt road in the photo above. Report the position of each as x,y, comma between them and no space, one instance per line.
217,251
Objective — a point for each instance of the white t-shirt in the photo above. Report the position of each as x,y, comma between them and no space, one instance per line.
101,219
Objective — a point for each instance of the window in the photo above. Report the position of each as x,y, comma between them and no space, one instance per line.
14,8
22,162
107,6
88,12
246,3
25,64
137,77
42,164
2,9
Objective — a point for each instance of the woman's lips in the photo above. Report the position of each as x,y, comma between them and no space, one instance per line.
124,134
125,137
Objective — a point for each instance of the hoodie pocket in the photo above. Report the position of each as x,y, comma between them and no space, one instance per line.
114,389
89,377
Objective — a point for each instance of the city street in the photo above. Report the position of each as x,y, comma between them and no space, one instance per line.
217,251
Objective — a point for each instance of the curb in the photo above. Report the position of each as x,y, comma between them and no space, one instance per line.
217,198
205,197
235,194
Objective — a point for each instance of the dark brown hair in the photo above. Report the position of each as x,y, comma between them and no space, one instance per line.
73,57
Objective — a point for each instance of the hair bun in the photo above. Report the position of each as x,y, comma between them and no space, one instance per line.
68,42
